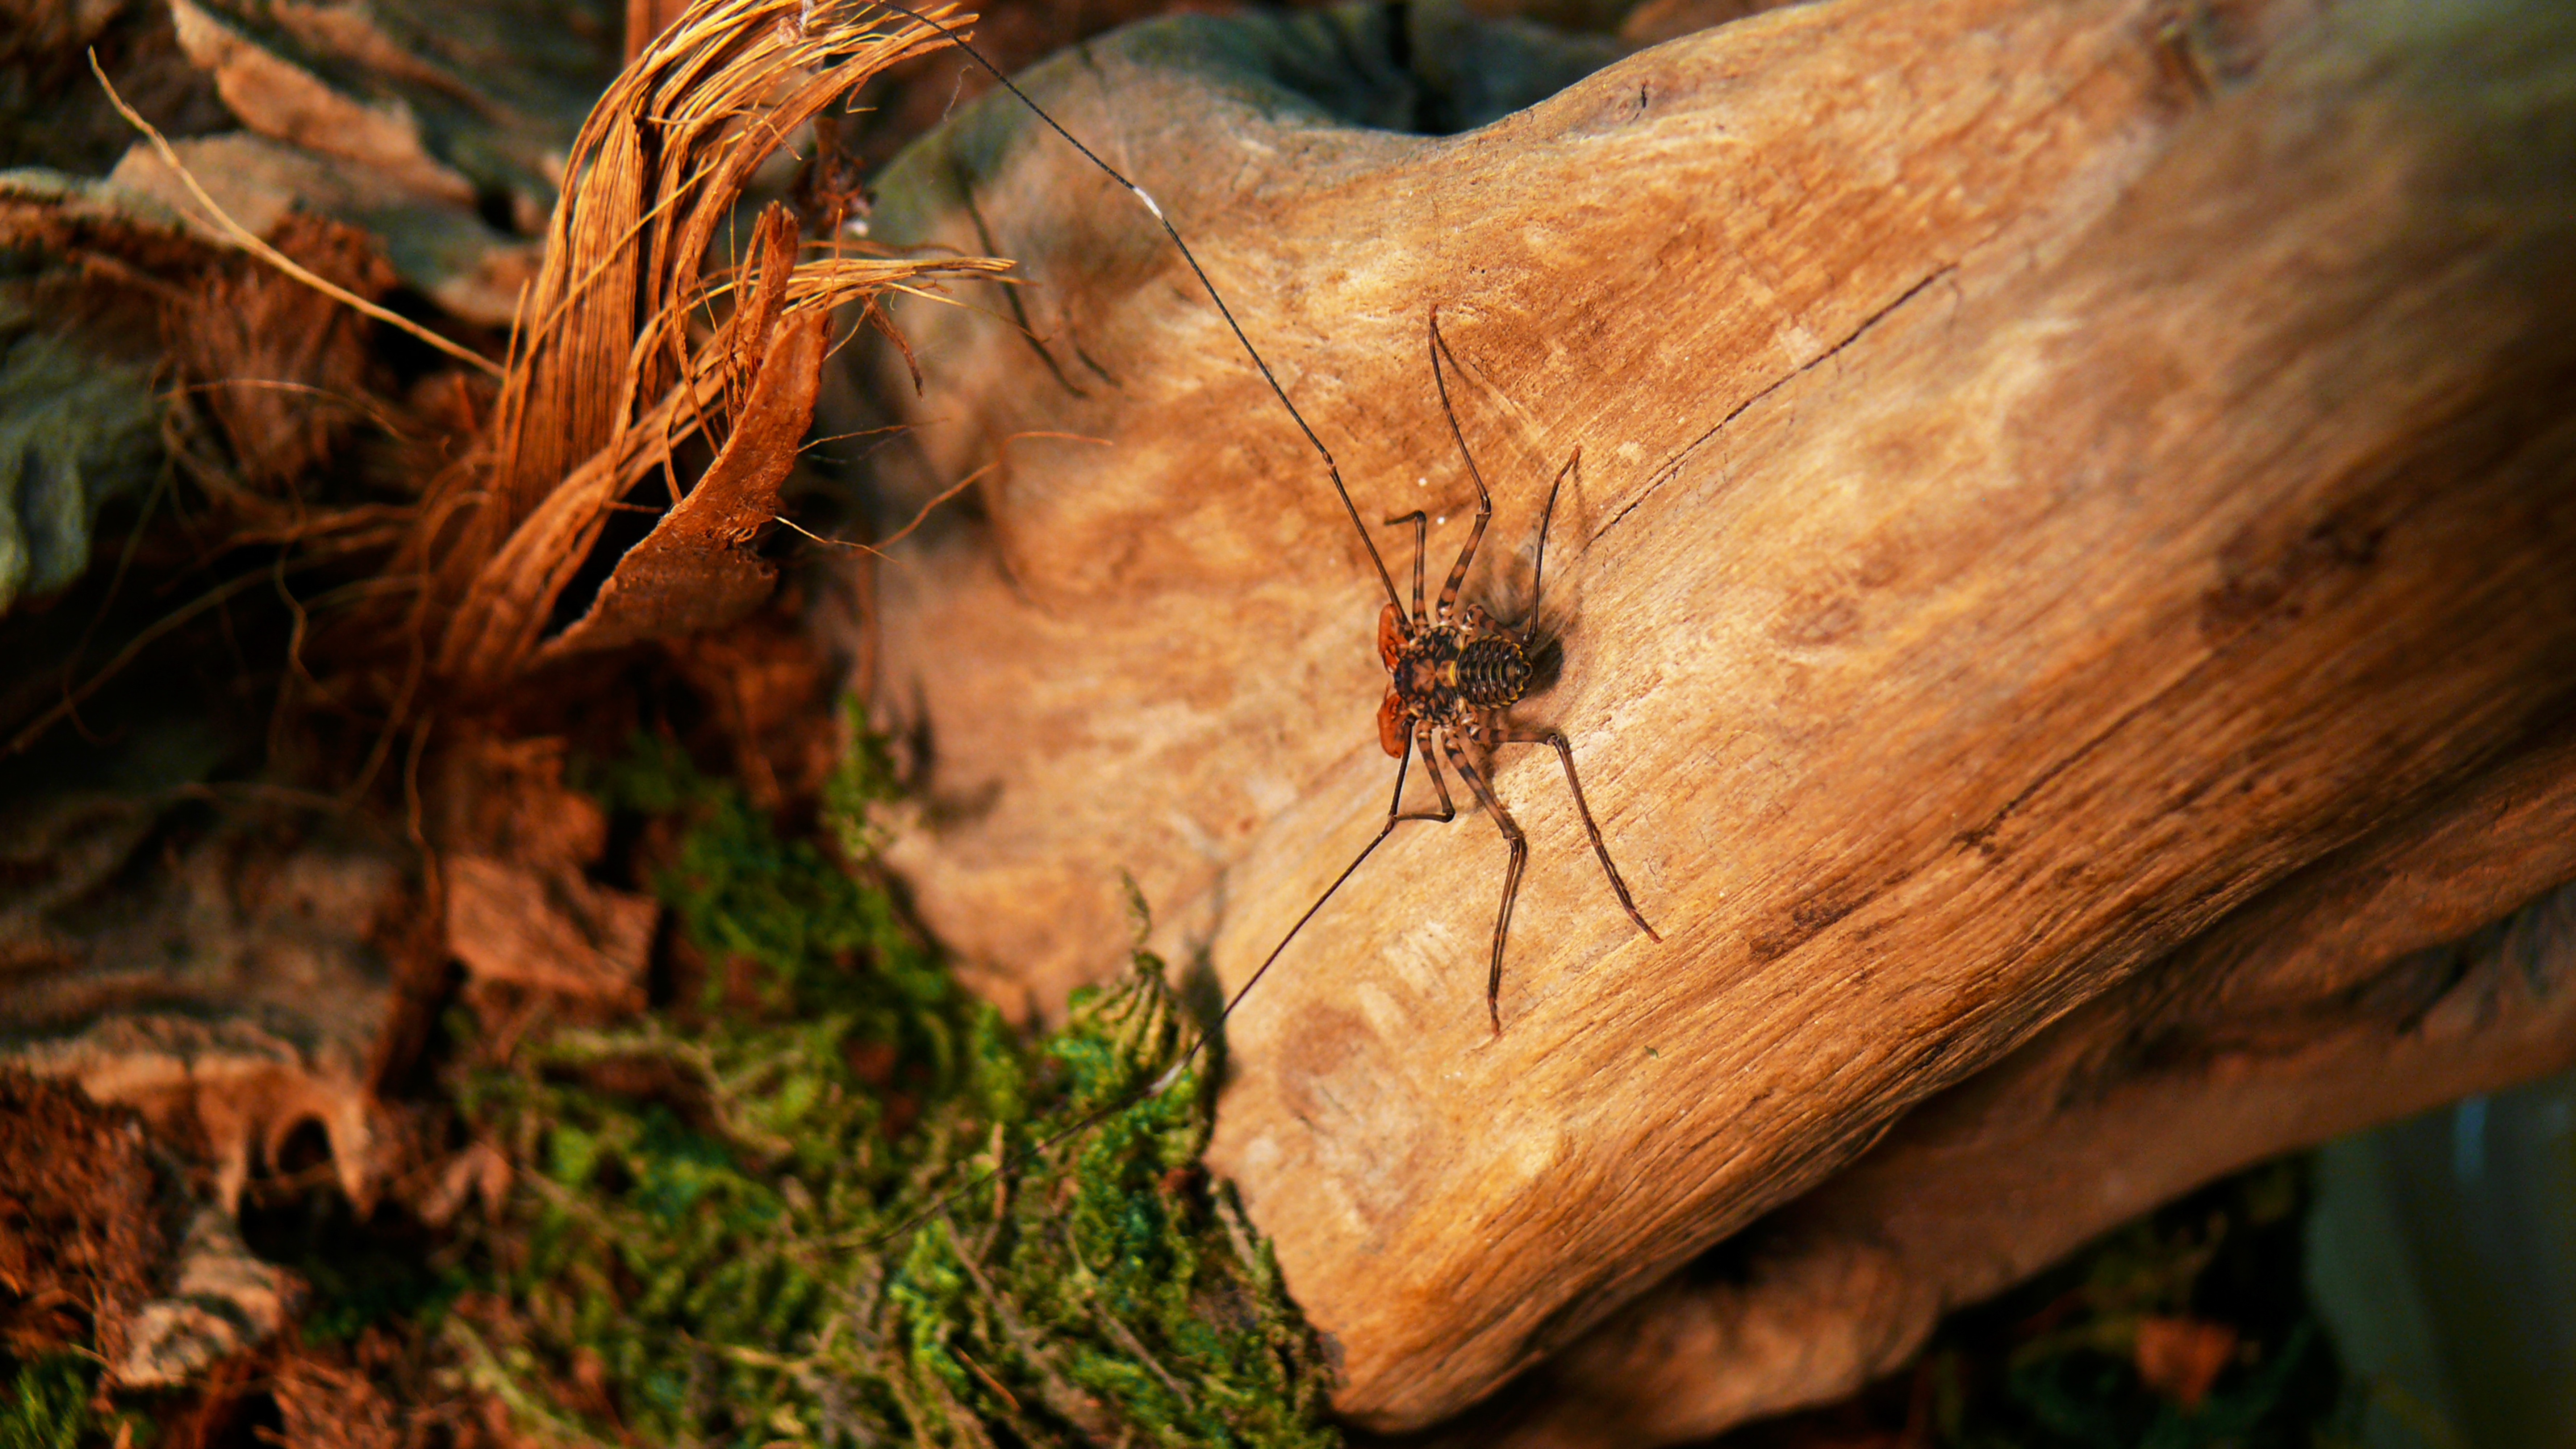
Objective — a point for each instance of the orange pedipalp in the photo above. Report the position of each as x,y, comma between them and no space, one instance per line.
1392,723
1390,637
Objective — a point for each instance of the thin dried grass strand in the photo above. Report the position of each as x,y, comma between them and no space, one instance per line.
250,242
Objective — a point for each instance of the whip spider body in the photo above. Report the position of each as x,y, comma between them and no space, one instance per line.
1453,675
1453,672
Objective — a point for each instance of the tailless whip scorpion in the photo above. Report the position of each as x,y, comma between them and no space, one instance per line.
1453,672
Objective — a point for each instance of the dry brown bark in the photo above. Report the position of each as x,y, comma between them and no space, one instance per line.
80,1239
2053,473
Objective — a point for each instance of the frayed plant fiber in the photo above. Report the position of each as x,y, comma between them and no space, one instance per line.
629,349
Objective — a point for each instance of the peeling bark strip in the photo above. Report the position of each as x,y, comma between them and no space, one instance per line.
692,572
2038,497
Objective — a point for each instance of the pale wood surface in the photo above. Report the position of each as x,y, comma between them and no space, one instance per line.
2051,473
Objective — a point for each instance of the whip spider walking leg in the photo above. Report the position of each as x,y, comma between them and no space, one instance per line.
1453,675
1452,672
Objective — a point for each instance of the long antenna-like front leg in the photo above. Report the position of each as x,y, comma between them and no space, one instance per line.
1330,467
1395,815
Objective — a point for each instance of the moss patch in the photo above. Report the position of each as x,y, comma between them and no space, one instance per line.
47,1404
814,1200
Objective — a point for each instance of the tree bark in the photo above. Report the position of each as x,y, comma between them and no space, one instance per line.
2052,475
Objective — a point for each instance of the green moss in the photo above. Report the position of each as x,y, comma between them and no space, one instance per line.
47,1406
839,1211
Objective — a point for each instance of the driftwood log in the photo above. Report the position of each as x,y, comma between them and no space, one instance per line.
2067,612
2371,985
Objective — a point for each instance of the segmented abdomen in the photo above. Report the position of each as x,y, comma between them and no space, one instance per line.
1492,672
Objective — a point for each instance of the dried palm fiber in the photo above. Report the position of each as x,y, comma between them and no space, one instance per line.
620,358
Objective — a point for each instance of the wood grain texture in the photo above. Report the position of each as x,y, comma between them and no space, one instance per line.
2052,471
2428,961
